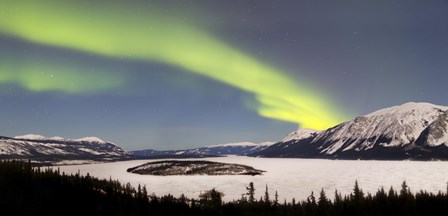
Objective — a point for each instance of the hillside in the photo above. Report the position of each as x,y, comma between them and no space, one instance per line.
409,131
38,147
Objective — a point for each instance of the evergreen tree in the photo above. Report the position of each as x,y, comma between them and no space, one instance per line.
145,194
28,191
266,196
276,199
323,204
139,192
251,192
216,198
211,198
243,199
357,195
193,203
183,199
392,193
404,190
337,197
323,201
312,199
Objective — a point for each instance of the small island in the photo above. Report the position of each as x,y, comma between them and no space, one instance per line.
177,167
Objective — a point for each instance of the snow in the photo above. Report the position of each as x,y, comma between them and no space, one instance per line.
443,140
335,147
407,121
301,133
91,139
58,138
35,144
90,151
268,143
31,137
401,124
241,144
16,147
407,107
43,149
290,177
70,162
440,141
438,131
7,149
233,144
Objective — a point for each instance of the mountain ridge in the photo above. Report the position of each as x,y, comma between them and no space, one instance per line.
35,137
38,147
389,133
239,148
409,131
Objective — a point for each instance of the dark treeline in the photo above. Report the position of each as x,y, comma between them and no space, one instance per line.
33,191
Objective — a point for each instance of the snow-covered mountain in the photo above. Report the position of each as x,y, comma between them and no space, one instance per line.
241,148
408,131
301,133
57,148
436,134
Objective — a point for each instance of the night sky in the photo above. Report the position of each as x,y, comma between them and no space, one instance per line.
180,74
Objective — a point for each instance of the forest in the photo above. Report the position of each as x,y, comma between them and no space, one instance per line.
28,190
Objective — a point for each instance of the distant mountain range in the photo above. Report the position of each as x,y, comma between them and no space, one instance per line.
38,147
42,148
409,131
241,148
417,131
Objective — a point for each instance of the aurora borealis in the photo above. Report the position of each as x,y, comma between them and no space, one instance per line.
151,63
172,43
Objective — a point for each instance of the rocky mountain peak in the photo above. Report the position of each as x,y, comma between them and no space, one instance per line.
398,131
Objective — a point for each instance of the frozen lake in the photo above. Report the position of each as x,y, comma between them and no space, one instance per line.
290,177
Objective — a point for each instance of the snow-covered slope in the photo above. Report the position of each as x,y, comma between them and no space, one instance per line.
436,134
91,140
241,148
31,137
35,137
301,133
387,133
40,147
391,127
239,144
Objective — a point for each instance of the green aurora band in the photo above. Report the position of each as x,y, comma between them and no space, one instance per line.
39,74
118,31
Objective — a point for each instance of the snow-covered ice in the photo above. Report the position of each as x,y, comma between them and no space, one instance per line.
290,177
